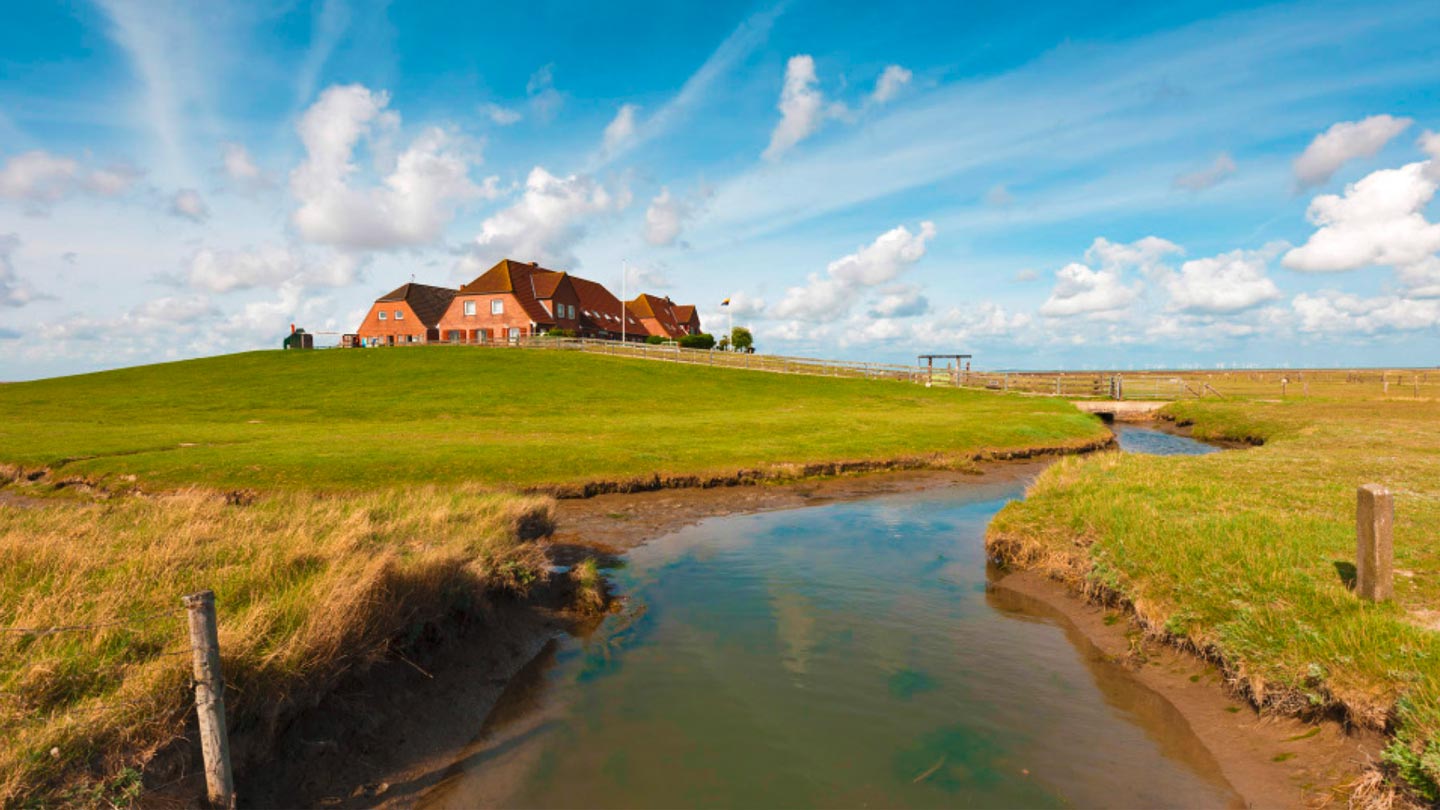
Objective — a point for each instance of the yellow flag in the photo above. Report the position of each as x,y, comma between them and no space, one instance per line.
725,303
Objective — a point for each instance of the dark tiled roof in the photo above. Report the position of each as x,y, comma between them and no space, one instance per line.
517,279
662,310
427,302
600,309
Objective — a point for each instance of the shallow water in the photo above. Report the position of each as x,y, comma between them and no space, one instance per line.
1152,442
843,655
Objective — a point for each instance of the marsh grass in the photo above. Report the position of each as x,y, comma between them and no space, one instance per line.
1244,555
307,587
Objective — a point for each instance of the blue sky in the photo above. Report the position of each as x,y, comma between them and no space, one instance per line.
1067,185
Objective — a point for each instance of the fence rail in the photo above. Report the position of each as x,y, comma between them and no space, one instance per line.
1131,385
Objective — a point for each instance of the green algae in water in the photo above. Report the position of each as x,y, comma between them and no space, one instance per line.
907,683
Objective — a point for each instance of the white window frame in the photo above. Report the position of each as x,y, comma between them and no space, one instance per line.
497,306
469,309
383,315
399,314
572,311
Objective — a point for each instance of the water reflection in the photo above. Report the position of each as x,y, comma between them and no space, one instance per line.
840,655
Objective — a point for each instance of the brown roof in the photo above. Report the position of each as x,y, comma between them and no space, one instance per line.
684,313
427,302
600,309
662,310
524,281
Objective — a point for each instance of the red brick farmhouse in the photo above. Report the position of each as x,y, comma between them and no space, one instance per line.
516,299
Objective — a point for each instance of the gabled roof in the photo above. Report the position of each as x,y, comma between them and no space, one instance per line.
684,313
427,302
523,281
661,310
600,309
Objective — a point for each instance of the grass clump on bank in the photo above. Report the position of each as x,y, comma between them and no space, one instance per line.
1248,555
307,587
359,419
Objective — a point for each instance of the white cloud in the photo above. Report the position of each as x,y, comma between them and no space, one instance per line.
187,204
1344,142
14,291
891,82
621,130
500,116
1222,167
545,100
831,296
1379,221
1143,254
241,168
221,271
1338,313
39,178
1228,283
413,203
549,219
802,107
1080,290
663,219
900,301
1026,274
1430,143
640,278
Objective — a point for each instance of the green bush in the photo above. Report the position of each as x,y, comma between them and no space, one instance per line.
654,340
701,341
560,333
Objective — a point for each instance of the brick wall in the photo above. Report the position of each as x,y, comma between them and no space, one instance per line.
405,329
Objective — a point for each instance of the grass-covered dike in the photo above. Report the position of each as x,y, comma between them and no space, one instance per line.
1246,557
341,503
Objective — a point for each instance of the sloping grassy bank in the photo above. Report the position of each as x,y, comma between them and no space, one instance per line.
308,586
370,494
359,419
1246,556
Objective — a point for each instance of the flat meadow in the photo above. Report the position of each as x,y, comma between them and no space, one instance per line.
1248,556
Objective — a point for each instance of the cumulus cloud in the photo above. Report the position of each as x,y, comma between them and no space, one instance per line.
802,107
1222,167
187,204
900,301
1097,289
500,116
1331,312
832,295
39,178
621,129
242,170
549,219
1379,220
645,277
14,291
413,203
1230,282
891,82
220,271
667,214
1343,143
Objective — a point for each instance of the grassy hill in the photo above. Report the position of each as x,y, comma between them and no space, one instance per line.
353,420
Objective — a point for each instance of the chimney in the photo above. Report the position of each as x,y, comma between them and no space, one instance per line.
292,328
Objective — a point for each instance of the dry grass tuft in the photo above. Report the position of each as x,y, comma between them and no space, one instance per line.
307,587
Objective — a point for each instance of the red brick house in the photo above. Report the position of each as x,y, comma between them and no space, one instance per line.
517,299
509,301
658,316
408,314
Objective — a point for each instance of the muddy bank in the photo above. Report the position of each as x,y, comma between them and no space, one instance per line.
1270,760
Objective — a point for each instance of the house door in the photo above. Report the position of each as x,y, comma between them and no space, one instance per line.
514,334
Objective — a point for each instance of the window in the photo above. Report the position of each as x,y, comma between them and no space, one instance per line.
572,310
497,306
382,314
469,308
399,315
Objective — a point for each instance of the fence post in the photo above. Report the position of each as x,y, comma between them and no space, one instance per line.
1375,547
210,698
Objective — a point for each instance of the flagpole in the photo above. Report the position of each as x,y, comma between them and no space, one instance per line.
624,273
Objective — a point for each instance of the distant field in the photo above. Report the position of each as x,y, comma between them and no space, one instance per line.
1246,553
362,419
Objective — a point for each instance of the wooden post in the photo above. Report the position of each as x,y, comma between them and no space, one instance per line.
210,699
1375,548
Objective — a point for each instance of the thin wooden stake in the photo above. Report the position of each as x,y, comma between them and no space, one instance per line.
210,699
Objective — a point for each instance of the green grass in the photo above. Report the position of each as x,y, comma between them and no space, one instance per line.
1246,553
356,420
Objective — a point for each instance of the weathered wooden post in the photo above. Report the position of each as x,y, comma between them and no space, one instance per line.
1375,547
210,699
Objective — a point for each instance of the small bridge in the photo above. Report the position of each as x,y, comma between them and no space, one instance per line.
1122,410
